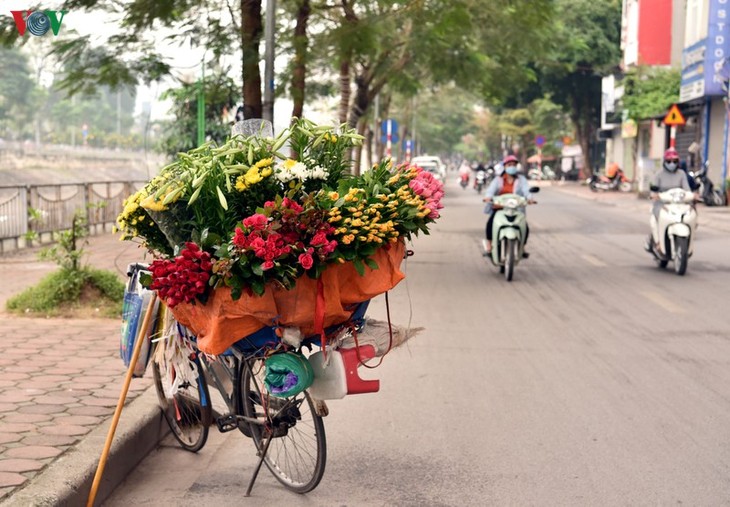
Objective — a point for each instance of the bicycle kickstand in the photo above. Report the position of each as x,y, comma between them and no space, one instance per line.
258,466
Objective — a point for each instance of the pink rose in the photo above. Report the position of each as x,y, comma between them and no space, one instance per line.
417,186
306,260
267,265
319,239
256,222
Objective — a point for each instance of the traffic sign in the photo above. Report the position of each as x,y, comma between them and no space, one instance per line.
539,141
674,117
393,138
390,122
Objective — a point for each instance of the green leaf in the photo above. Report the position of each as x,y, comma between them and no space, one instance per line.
257,269
371,263
359,266
258,287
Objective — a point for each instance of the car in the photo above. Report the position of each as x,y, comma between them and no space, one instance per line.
432,164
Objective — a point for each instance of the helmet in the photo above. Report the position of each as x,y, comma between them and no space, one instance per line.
671,160
508,159
671,154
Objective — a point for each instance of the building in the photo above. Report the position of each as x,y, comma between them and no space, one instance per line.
704,88
652,34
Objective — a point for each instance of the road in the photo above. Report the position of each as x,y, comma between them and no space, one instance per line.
593,378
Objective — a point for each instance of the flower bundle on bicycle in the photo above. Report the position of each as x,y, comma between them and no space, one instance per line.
246,237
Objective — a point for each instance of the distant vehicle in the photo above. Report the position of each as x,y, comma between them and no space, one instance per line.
432,164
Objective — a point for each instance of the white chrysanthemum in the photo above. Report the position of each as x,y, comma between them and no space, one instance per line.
288,170
318,173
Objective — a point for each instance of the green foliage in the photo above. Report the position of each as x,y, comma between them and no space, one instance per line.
67,252
649,91
443,117
62,290
180,134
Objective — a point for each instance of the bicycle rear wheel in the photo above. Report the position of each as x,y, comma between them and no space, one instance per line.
297,453
185,405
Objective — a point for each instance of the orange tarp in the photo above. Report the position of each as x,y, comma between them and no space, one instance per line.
221,321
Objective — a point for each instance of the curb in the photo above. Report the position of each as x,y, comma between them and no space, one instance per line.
67,481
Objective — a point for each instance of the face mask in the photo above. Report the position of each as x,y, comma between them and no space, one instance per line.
511,170
671,166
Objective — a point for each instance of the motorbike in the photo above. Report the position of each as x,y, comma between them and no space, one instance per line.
480,180
464,180
541,173
509,229
710,195
601,182
673,233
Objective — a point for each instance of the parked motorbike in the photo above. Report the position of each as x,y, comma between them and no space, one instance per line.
710,195
509,229
601,182
541,173
673,233
464,180
480,180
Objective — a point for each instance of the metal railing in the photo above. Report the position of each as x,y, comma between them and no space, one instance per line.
35,211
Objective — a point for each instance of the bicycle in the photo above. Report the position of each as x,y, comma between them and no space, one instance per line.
288,432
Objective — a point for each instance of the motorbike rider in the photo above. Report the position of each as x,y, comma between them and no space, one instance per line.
509,182
670,176
464,171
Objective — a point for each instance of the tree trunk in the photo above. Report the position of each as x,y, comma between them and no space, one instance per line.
582,123
344,89
369,137
384,113
301,42
358,149
251,33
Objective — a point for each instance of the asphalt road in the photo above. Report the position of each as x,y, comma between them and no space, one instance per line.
593,378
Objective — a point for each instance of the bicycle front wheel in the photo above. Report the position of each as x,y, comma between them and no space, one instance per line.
184,403
298,451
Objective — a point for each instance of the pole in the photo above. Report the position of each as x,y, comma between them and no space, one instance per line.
388,138
141,335
119,112
414,136
376,128
673,136
269,59
201,107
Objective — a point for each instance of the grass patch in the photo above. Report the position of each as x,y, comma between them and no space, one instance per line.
80,293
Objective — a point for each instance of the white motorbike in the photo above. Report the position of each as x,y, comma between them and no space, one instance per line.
509,231
673,232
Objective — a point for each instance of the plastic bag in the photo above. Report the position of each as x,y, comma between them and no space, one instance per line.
134,309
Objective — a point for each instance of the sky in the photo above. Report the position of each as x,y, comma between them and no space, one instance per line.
186,63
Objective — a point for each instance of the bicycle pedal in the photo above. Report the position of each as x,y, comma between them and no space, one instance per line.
227,423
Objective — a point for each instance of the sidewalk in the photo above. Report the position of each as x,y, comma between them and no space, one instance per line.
60,381
717,218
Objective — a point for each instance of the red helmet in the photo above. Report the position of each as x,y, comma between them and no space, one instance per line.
671,154
508,159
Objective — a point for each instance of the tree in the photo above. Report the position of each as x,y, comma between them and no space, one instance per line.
133,55
650,91
221,94
17,88
586,46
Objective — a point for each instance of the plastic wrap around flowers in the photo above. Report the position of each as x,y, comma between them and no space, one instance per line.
243,214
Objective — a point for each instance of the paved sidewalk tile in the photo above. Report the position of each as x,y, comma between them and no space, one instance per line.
59,378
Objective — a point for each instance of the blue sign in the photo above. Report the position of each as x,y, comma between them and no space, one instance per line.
718,46
539,141
393,126
393,138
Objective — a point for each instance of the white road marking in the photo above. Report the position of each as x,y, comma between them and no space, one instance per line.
663,302
595,261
